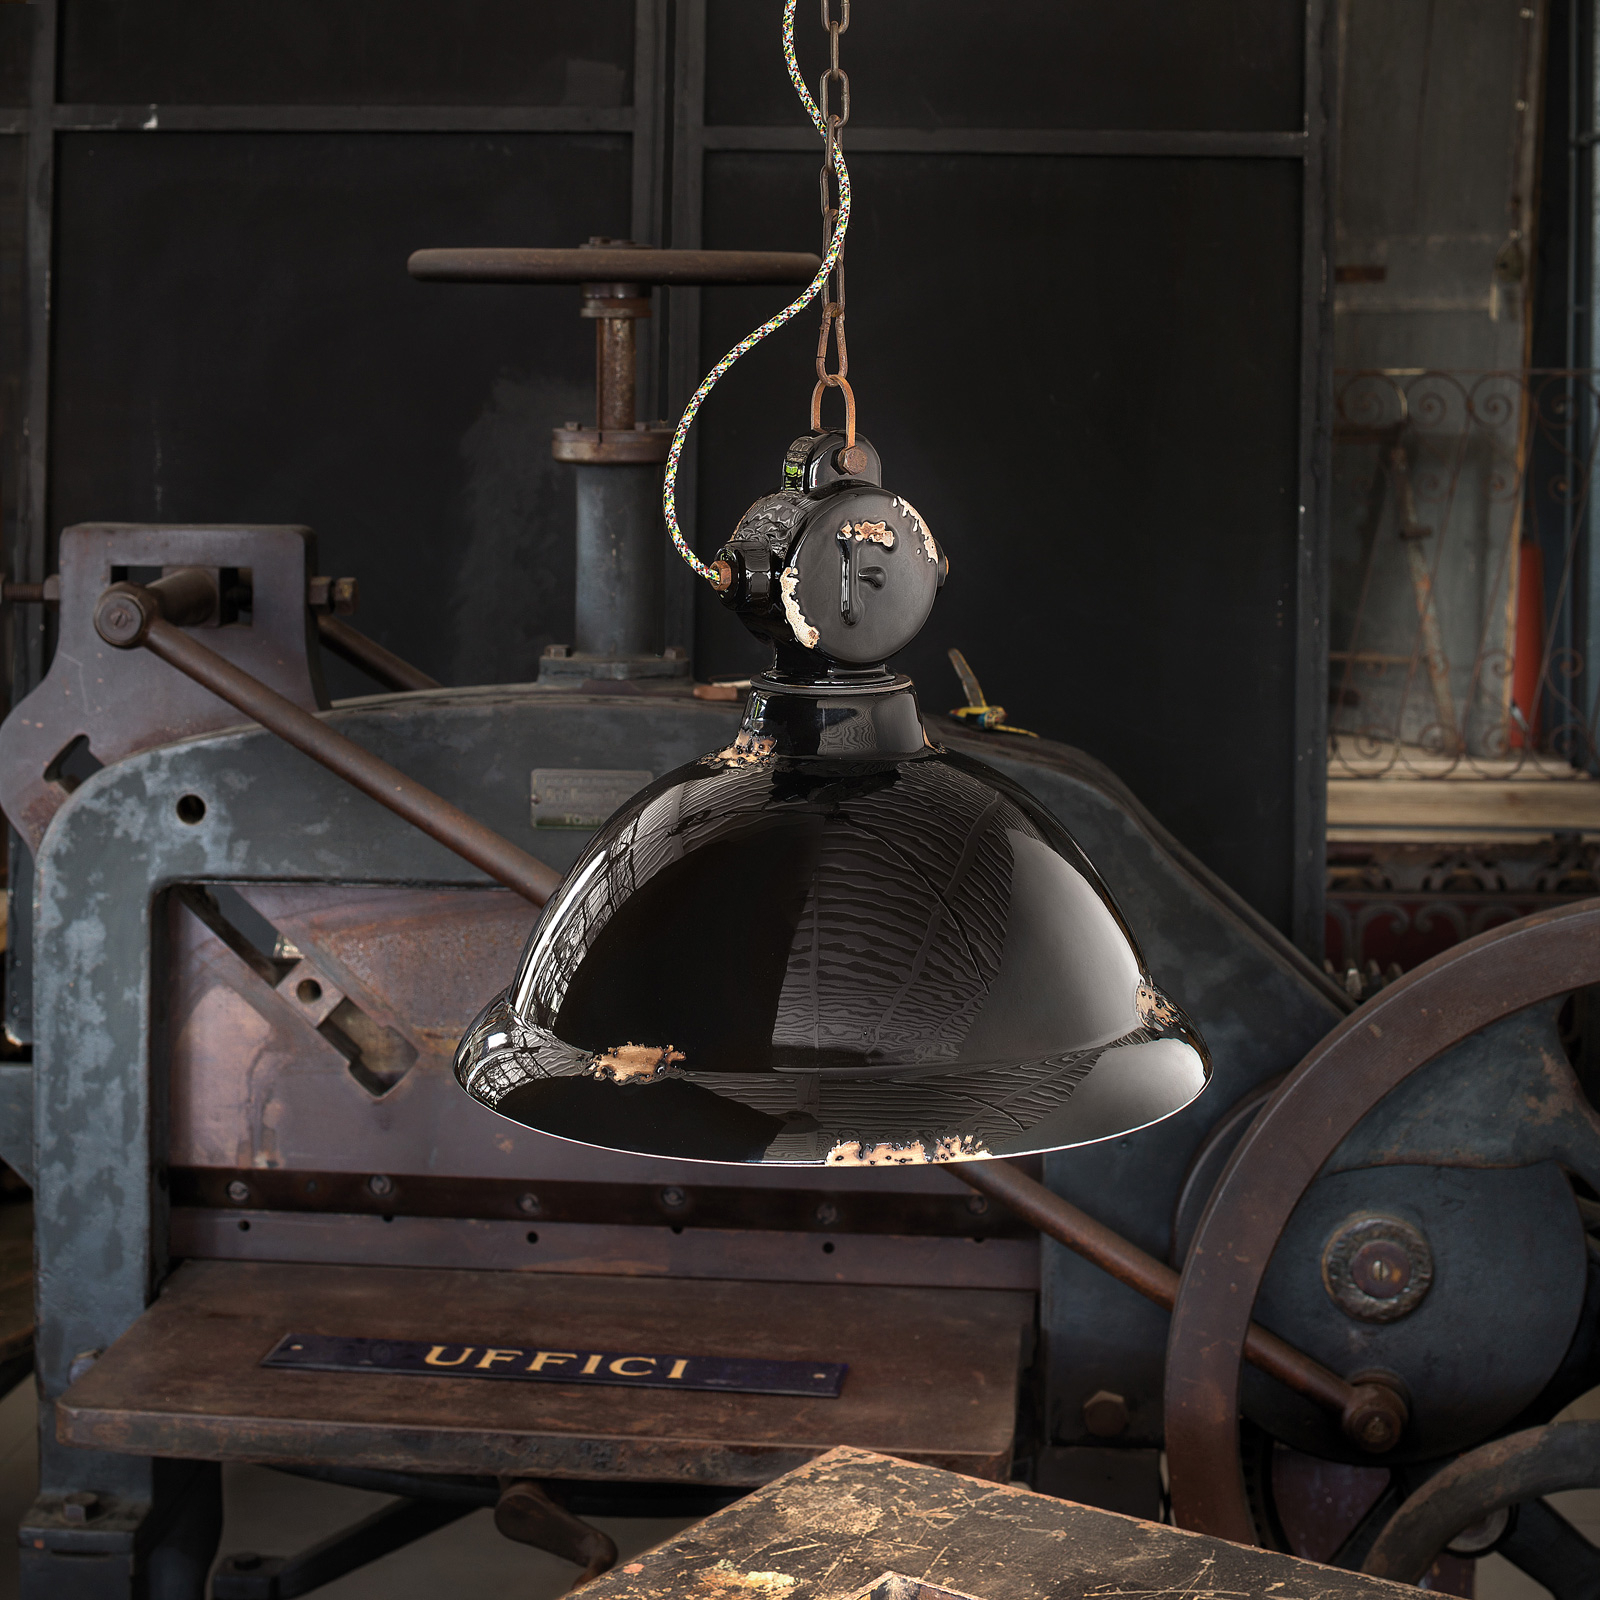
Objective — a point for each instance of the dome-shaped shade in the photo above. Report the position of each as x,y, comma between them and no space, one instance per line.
817,962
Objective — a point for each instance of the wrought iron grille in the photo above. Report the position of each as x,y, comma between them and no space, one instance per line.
1461,574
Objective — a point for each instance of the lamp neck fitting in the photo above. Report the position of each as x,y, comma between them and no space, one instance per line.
868,720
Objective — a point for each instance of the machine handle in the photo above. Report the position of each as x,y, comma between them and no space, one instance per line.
600,264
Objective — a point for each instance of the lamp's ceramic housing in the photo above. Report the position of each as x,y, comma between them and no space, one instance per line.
832,942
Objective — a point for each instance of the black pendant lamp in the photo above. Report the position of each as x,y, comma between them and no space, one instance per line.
833,942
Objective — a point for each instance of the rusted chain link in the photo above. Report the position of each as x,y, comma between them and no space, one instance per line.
835,79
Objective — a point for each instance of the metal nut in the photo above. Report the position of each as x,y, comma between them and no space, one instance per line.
528,1204
1105,1414
380,1185
79,1506
238,1191
1377,1268
672,1198
120,619
827,1213
1375,1416
851,459
977,1204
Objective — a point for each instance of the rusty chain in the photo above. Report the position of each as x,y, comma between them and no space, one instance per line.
834,81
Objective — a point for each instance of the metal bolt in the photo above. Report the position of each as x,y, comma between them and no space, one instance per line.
827,1213
239,1191
852,459
1377,1268
673,1197
80,1506
380,1185
977,1204
528,1204
1375,1416
1105,1414
1381,1268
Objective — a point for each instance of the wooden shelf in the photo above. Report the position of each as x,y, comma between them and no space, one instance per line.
933,1374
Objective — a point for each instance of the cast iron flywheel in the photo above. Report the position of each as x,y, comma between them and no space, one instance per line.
1318,1106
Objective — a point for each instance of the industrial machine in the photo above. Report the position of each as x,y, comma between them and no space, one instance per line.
1325,1287
250,978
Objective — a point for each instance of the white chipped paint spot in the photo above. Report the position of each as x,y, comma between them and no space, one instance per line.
871,533
804,633
906,509
725,1578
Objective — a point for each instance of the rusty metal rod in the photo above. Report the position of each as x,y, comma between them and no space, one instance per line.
495,264
128,616
351,645
1154,1279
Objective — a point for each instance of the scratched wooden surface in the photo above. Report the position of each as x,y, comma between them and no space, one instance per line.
933,1374
832,1528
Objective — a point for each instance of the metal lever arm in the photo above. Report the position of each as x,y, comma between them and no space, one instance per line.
129,615
360,651
1372,1414
597,264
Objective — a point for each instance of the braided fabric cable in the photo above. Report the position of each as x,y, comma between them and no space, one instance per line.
669,485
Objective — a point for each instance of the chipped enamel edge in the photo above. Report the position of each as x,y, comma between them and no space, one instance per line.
804,633
630,1062
852,1153
905,508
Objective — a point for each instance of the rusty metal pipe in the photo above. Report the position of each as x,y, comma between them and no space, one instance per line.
495,264
128,616
351,645
1360,1409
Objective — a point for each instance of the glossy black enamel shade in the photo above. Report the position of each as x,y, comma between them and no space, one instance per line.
815,961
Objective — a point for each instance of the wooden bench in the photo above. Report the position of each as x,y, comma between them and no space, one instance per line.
854,1524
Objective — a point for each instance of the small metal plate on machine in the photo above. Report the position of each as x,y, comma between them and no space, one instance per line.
581,797
316,1352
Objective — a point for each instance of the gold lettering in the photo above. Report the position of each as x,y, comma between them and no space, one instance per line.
592,1365
620,1366
677,1368
435,1355
489,1357
547,1358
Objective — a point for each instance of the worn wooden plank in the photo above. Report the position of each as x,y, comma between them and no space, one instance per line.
933,1374
834,1527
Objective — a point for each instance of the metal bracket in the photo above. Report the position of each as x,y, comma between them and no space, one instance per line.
97,705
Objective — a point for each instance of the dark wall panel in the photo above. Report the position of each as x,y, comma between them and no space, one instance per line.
347,52
13,220
237,339
1025,64
16,52
1082,372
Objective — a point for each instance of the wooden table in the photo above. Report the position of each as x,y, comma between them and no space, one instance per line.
852,1523
933,1374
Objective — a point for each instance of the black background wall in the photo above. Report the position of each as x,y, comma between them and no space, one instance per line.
1086,292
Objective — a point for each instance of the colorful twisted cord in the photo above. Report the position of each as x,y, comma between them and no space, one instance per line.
669,486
